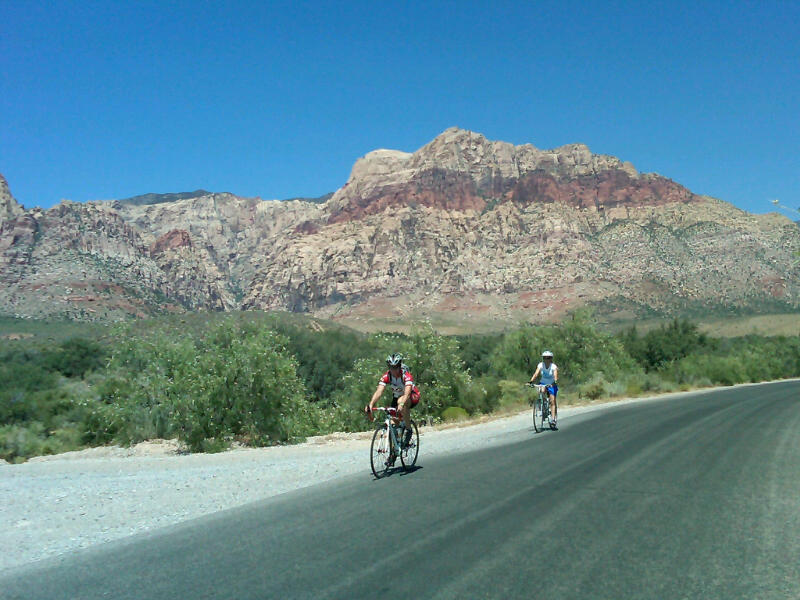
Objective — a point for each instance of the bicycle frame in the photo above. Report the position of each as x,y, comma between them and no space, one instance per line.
391,414
544,401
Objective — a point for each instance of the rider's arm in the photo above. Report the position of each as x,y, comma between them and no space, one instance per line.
535,374
406,393
376,396
555,374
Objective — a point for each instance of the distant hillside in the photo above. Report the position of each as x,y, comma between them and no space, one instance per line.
147,199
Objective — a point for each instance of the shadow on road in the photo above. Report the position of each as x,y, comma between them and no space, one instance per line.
410,470
399,471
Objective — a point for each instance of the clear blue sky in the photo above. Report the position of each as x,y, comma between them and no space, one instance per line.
102,100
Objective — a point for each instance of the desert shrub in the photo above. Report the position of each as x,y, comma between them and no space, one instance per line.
24,378
580,349
434,361
635,384
323,356
668,343
482,396
516,356
39,407
21,441
616,388
513,394
75,357
725,370
346,408
454,413
235,382
476,351
594,388
438,370
209,380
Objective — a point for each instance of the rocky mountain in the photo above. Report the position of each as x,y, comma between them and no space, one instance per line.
462,229
9,207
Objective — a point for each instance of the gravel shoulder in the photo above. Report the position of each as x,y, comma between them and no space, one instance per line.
56,504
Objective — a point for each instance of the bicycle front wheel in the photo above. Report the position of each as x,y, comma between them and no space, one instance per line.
379,452
537,415
410,452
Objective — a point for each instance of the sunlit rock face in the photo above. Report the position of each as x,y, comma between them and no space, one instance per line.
9,207
464,226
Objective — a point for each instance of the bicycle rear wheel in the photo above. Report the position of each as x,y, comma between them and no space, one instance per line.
409,454
379,452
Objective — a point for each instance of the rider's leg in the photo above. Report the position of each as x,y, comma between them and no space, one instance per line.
405,410
553,407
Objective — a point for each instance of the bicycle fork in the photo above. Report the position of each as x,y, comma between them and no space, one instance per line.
397,447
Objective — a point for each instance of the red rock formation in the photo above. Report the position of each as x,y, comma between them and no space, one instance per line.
177,238
604,190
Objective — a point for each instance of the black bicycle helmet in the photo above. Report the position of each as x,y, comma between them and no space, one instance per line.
394,360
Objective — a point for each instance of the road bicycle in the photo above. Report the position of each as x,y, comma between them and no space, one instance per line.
541,408
387,444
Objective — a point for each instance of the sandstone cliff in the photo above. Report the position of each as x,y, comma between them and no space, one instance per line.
9,207
464,226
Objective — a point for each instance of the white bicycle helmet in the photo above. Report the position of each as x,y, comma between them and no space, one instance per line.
547,354
394,360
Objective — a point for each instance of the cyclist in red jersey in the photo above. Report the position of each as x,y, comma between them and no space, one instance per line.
405,395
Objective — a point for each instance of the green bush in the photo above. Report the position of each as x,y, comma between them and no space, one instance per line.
482,396
616,388
438,370
19,442
75,357
434,361
454,413
323,356
235,382
580,349
594,388
259,379
513,393
476,351
635,384
668,343
346,409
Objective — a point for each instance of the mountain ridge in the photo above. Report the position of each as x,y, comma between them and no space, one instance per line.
154,198
462,226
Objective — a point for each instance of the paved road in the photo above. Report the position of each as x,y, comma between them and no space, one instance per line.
696,497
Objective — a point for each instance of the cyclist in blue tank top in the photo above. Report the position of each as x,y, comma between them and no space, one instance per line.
549,372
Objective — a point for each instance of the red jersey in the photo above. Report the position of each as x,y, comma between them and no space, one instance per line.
399,383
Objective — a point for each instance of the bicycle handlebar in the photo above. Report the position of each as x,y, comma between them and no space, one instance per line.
389,409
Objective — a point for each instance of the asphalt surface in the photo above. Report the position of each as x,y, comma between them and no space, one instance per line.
690,497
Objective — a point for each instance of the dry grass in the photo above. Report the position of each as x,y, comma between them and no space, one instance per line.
769,325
